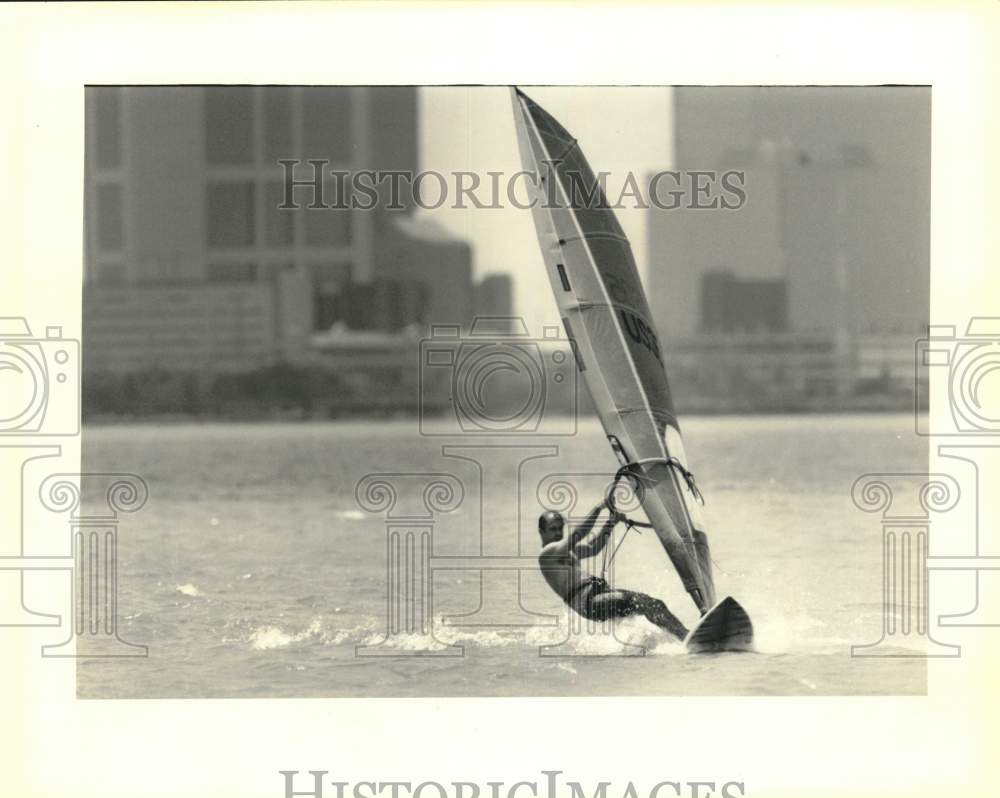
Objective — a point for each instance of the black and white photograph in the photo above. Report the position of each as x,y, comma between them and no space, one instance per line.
399,400
406,395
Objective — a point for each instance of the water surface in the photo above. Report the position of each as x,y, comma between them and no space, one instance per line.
252,571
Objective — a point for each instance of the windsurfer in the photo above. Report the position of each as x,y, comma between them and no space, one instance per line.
589,595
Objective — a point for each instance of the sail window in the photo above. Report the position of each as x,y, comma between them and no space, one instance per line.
563,278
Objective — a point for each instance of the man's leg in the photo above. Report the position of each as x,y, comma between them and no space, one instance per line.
658,613
622,603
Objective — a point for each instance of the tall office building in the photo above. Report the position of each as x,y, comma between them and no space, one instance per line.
836,222
185,186
185,183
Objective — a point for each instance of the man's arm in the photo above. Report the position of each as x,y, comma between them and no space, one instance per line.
595,543
583,529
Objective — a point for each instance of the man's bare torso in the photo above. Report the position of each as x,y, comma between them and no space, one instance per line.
561,569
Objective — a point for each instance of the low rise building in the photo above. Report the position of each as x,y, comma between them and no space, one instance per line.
202,327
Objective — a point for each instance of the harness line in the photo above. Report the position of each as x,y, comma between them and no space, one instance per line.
629,469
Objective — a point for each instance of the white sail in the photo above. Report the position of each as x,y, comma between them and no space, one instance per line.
604,309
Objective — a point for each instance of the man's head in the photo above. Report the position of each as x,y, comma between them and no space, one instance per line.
550,526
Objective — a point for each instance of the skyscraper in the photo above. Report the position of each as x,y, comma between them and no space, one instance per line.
186,184
837,183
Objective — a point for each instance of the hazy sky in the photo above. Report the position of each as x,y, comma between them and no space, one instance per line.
618,128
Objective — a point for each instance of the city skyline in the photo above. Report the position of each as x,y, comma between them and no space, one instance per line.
186,209
469,129
458,129
820,244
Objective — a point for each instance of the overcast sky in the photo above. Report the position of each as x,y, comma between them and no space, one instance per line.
472,129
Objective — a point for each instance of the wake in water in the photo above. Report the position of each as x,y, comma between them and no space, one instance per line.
631,636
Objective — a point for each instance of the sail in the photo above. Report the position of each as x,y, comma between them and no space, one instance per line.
604,310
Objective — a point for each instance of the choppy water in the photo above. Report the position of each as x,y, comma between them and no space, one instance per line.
252,571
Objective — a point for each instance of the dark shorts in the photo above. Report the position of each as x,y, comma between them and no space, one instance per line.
585,600
596,600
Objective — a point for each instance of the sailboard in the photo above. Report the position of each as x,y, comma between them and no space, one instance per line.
604,310
725,627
